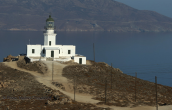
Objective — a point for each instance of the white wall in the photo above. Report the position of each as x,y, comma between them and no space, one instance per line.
64,50
43,59
56,53
49,37
50,31
37,48
63,60
48,53
32,60
45,40
76,59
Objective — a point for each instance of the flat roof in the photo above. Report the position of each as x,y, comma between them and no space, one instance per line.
77,55
51,48
68,45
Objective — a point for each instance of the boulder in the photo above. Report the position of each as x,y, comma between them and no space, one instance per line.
50,103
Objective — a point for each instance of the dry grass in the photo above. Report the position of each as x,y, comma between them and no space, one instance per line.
38,66
123,86
21,84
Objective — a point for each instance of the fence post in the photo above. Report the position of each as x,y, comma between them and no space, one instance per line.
105,88
156,92
2,78
24,92
74,87
135,85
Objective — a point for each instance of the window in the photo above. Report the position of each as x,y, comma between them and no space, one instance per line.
33,50
50,24
68,51
49,43
59,51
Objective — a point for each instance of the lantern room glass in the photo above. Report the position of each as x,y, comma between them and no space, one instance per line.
50,24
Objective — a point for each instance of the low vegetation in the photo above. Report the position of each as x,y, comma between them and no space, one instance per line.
20,90
91,80
38,66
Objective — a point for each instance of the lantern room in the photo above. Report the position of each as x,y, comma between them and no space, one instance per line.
50,23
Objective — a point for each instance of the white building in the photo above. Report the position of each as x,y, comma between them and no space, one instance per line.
52,51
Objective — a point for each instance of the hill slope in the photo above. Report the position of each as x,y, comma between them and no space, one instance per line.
80,15
120,87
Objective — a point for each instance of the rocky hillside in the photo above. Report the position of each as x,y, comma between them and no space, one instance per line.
80,15
38,66
21,91
121,91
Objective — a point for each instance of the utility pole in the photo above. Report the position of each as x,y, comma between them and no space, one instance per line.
156,92
105,88
135,85
2,79
94,52
111,75
74,87
52,69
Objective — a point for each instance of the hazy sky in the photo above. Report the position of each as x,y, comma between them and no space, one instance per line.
161,6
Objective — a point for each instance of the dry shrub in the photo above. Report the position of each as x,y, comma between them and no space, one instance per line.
38,66
122,83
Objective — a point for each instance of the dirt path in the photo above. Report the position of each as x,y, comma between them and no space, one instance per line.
57,77
46,79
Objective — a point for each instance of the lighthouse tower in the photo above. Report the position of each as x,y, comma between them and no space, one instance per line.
51,51
49,34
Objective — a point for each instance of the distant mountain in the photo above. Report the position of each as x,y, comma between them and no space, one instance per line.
80,15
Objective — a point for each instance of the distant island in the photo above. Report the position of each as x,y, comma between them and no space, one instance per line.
80,15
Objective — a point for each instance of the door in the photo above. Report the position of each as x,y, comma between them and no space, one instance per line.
52,53
49,43
80,60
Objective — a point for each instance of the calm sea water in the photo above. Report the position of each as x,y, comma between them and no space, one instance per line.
148,54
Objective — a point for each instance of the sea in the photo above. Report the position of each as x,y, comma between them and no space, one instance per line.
148,54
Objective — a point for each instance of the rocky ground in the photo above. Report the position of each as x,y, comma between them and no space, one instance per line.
91,79
20,91
38,66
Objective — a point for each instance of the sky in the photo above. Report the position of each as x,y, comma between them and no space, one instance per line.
161,6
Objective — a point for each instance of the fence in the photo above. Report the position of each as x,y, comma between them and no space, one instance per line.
111,85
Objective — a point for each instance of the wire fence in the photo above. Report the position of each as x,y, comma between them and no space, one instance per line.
144,78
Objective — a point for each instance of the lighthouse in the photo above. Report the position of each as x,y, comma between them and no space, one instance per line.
50,50
49,35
